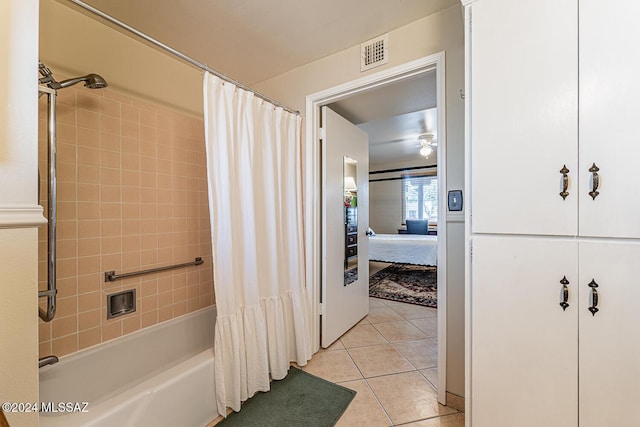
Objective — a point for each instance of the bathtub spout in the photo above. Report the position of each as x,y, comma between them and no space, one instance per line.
47,360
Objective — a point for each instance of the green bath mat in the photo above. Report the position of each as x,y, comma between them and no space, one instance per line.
300,399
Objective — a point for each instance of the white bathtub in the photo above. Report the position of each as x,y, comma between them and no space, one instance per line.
159,376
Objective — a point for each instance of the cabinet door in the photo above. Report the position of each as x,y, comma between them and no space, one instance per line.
524,345
524,116
610,339
609,106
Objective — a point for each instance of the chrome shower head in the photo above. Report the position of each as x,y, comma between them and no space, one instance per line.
91,81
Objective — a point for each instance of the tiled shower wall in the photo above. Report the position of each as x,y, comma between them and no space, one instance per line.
132,195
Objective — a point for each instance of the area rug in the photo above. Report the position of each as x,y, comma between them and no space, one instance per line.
351,275
414,284
300,399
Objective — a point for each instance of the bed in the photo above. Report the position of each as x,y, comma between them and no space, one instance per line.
404,248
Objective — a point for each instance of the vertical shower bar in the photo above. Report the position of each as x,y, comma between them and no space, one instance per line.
52,198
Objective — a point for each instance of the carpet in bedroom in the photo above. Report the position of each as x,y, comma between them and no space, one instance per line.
414,284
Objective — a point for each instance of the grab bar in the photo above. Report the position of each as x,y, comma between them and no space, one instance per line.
111,276
51,292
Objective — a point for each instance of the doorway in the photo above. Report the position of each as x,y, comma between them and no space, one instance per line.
313,179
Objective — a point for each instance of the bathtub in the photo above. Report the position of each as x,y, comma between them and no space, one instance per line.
158,376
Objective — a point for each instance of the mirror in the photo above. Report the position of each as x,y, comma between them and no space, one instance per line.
350,191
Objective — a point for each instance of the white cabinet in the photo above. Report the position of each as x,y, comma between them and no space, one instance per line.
609,351
524,347
537,364
524,114
546,95
553,84
609,117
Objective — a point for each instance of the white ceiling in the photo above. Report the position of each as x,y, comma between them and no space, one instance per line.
394,116
254,40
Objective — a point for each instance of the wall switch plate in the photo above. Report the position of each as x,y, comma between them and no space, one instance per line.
455,200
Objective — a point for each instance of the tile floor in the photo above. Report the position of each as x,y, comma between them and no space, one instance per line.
390,359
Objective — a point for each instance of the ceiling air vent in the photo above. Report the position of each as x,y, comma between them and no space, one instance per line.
374,52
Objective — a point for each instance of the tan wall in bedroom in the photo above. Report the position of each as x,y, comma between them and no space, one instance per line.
440,32
132,195
385,197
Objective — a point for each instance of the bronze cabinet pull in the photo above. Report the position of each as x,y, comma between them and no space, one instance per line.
595,179
565,182
594,297
565,293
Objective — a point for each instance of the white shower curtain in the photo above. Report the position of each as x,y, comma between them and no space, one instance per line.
255,204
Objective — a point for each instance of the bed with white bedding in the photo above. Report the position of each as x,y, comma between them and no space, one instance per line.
404,248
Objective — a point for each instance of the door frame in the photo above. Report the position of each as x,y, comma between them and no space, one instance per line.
313,190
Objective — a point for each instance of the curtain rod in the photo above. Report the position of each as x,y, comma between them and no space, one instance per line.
177,53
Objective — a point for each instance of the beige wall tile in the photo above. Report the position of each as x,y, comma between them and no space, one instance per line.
88,320
88,138
65,345
132,192
63,326
89,338
111,330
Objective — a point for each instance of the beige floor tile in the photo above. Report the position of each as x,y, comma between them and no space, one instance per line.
379,360
364,410
375,302
364,322
422,353
400,331
407,397
431,374
412,311
428,325
335,366
392,303
335,346
362,335
454,420
382,314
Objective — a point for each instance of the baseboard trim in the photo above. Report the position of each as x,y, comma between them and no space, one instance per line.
456,402
21,216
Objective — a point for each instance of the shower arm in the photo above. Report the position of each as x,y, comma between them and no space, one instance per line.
51,292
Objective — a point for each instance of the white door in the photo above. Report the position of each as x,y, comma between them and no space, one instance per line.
610,339
524,75
345,249
524,348
609,105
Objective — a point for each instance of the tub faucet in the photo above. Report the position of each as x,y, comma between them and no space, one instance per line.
47,360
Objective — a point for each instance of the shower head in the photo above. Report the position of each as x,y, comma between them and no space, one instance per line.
91,81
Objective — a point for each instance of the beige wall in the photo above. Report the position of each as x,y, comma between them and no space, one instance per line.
440,32
73,43
18,206
132,195
385,197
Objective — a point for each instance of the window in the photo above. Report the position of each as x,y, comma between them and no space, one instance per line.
420,197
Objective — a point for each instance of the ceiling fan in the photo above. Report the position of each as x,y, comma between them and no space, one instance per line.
427,143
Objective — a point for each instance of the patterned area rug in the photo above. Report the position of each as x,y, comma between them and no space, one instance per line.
350,276
414,284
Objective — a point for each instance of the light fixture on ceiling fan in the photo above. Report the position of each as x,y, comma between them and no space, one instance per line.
427,143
